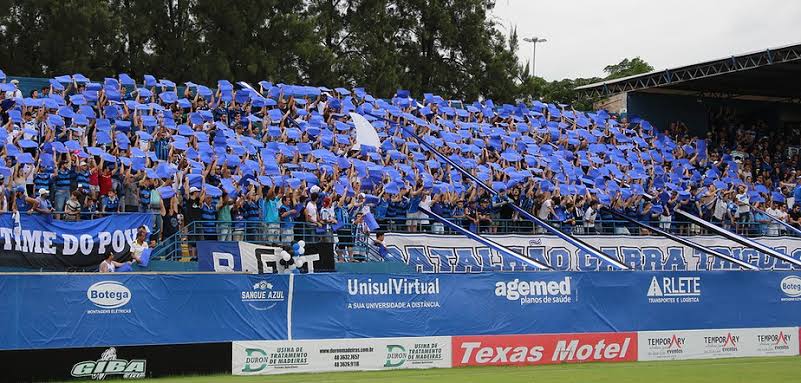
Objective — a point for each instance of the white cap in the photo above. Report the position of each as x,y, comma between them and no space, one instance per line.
314,189
14,81
43,191
83,163
193,189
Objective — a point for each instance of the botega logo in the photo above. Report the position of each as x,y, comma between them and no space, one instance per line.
791,286
108,294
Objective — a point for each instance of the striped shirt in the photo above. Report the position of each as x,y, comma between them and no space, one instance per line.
251,210
162,148
42,180
82,178
208,213
64,179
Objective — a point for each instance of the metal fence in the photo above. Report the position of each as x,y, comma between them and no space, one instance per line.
180,245
600,227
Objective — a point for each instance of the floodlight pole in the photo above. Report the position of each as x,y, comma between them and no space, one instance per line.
534,41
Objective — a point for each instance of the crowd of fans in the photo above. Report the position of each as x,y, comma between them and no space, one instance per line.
282,160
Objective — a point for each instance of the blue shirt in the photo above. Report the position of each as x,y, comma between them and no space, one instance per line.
83,179
287,222
64,179
413,204
42,180
144,198
111,204
208,213
269,209
251,210
797,194
44,204
22,204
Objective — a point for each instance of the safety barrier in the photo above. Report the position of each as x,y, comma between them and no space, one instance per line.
277,357
176,247
384,321
188,308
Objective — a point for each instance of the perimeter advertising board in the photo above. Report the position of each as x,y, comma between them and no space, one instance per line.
724,343
278,357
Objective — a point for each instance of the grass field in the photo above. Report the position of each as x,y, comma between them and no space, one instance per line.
750,370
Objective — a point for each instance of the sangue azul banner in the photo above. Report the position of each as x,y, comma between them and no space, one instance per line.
455,254
36,241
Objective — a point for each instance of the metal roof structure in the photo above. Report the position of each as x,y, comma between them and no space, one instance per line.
772,75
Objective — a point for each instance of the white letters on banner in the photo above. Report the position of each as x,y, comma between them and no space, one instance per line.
43,242
447,253
279,357
708,344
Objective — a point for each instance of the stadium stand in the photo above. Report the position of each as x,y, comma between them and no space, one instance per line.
282,162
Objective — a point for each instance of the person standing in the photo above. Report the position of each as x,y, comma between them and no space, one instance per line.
64,176
312,217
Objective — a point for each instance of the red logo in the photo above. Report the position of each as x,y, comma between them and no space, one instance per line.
503,350
781,338
730,339
674,341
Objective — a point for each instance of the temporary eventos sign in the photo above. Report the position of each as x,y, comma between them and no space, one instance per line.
38,241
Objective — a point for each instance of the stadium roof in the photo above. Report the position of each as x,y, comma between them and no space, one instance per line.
770,75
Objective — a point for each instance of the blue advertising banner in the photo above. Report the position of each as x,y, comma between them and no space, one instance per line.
394,305
79,310
58,311
36,241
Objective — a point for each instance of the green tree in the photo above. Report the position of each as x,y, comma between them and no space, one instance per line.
449,47
627,68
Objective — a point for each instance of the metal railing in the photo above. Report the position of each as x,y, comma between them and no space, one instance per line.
179,246
578,227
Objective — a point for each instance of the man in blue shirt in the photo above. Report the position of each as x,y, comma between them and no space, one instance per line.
64,177
269,211
110,203
287,214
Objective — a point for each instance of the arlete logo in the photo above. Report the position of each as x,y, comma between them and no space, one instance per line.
674,290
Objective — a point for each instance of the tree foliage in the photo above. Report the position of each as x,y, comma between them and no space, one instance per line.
448,47
627,68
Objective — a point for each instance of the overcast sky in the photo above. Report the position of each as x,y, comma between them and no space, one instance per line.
586,35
